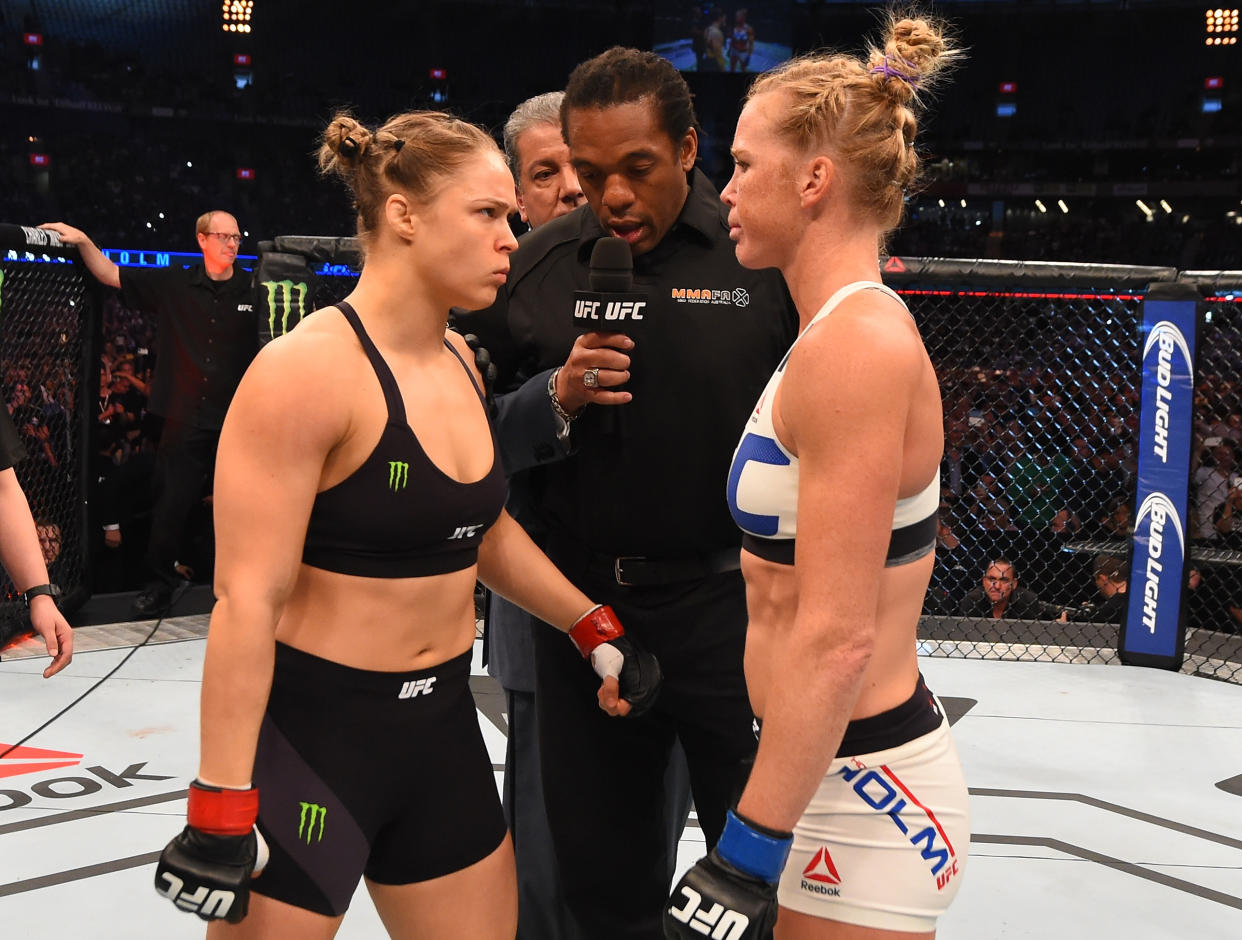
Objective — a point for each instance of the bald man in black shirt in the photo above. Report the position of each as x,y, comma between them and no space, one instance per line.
207,336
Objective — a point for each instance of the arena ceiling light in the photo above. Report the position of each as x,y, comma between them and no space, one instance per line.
1062,206
1040,206
1145,209
235,15
1166,207
1221,26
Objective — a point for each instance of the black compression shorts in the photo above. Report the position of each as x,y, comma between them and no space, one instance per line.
382,773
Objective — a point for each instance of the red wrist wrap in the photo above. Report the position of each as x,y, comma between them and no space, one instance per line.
222,812
596,626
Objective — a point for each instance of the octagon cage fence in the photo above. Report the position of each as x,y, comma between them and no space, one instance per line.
1040,369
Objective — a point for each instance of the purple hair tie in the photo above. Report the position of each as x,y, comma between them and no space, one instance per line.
891,72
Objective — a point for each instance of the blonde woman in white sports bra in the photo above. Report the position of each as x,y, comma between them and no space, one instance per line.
854,823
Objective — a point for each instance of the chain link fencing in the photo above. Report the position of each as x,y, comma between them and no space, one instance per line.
47,325
1039,368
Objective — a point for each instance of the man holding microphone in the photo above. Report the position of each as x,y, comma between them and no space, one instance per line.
630,438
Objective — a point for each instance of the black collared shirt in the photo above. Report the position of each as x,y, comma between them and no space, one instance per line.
648,477
207,335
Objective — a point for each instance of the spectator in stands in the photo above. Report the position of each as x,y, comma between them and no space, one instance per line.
959,465
1000,598
1207,608
951,573
50,540
208,334
1218,461
984,523
1111,597
1227,517
1118,522
1038,483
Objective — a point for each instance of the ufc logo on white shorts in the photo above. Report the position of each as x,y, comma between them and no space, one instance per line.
416,687
204,902
729,925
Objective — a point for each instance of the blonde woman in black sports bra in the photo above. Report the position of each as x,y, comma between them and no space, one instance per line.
358,496
854,822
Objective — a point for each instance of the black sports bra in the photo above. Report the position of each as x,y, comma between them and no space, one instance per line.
399,515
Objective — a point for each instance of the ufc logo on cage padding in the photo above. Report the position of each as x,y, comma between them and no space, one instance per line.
205,902
729,925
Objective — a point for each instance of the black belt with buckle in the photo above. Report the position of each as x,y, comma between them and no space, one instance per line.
641,571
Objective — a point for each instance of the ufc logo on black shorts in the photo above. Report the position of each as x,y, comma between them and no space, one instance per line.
729,925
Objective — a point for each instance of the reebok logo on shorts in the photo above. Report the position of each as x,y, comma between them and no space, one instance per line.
820,875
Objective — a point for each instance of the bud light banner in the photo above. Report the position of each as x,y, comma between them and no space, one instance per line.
1151,634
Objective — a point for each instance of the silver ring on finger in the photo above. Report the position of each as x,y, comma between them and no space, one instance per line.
590,378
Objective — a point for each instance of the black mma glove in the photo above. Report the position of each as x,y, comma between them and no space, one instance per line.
599,636
731,894
207,868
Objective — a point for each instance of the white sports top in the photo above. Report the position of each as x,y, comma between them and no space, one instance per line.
763,480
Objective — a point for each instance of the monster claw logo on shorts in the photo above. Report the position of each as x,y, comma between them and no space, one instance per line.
398,475
312,813
283,298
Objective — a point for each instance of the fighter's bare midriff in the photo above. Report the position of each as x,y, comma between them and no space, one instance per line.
349,619
891,674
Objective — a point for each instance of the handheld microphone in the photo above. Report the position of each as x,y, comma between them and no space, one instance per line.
611,305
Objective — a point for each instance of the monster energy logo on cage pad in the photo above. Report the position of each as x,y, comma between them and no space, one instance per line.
282,298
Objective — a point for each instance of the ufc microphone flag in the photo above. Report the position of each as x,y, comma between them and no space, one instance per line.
1152,634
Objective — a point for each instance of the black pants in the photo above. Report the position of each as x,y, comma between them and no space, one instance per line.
604,777
541,910
184,464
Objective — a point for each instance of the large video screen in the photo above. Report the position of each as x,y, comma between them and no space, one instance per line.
740,37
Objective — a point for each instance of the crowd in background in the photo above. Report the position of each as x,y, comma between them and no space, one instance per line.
1038,459
131,137
1039,469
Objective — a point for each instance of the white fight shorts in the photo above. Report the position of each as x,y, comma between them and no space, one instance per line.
883,843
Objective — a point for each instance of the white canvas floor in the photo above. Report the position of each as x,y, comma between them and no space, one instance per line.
1106,800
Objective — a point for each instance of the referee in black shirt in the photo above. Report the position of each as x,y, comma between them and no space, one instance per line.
629,485
207,334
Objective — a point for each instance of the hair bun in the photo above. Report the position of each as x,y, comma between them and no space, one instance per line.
348,139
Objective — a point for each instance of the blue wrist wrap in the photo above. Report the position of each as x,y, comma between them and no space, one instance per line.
753,852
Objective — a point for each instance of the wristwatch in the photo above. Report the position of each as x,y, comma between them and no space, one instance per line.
51,590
